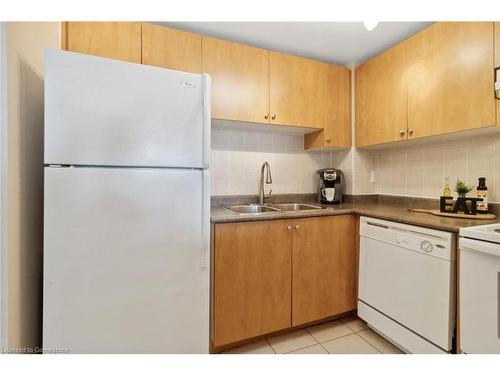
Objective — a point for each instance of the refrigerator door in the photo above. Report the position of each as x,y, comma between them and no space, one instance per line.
126,260
106,112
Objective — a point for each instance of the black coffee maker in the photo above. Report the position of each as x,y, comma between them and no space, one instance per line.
330,186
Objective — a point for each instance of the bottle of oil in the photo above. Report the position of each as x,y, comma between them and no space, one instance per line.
447,193
482,192
446,190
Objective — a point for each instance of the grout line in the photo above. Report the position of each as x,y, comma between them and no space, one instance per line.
369,343
325,348
343,322
311,334
336,338
268,343
304,347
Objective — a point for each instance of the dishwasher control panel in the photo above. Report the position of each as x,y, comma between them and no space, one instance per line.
419,239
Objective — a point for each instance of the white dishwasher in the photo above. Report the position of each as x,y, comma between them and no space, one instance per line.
406,284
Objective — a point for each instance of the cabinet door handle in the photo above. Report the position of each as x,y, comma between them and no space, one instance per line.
401,132
273,117
289,227
410,131
297,226
327,140
266,116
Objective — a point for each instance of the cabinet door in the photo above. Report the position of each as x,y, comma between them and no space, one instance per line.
381,98
337,127
497,62
171,48
450,85
240,80
297,90
116,40
252,279
324,268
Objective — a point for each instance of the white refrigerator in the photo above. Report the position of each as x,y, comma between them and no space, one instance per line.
126,218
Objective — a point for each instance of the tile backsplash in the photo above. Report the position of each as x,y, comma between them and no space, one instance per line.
420,169
238,154
407,169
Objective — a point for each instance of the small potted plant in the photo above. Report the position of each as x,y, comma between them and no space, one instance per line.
461,204
461,189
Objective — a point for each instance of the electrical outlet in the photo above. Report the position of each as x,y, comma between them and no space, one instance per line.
373,177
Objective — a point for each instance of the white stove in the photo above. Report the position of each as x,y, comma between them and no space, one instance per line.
480,289
489,232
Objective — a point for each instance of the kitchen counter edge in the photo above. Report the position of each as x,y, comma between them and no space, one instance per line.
220,215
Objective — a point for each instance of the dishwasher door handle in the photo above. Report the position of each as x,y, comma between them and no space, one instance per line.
377,225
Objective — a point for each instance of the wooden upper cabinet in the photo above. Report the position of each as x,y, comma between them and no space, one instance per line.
450,85
497,62
381,98
240,80
171,48
297,90
252,279
337,126
324,267
115,40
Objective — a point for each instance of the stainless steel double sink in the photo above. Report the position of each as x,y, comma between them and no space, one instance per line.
245,209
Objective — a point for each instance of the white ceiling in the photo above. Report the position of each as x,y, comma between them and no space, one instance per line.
341,43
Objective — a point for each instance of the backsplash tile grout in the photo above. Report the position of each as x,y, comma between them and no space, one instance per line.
415,170
419,170
237,156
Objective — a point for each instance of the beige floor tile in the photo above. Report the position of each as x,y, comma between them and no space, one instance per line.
257,347
379,342
291,341
314,349
352,344
355,323
329,331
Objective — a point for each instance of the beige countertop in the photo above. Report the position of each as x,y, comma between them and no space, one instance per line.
376,210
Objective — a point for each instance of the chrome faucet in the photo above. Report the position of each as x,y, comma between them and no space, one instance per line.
269,180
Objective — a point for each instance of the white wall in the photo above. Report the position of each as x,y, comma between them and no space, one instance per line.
3,200
26,43
237,156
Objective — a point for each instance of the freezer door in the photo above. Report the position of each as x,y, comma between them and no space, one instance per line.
106,112
126,266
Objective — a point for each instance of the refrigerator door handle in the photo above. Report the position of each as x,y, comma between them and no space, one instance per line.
207,87
205,226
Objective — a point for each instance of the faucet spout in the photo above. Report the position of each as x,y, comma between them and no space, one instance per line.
269,180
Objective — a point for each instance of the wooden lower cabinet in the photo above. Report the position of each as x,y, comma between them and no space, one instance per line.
252,279
272,275
324,268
